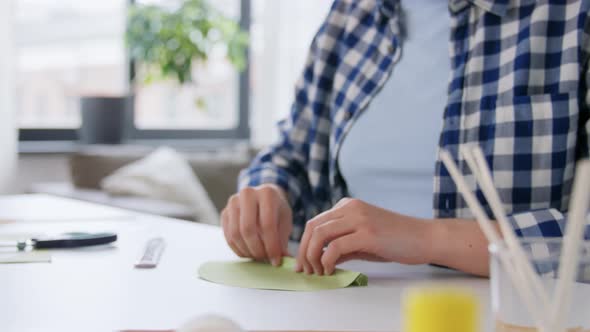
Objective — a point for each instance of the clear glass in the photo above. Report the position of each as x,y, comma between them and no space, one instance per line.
65,48
510,311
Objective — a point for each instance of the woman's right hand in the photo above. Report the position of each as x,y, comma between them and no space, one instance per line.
257,223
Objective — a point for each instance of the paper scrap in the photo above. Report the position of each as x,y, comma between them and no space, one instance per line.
251,274
34,256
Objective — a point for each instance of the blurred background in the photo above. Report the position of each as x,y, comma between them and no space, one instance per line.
54,53
66,47
88,87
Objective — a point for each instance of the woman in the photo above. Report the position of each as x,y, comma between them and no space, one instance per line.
517,88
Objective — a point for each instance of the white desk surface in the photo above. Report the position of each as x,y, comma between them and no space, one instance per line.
97,289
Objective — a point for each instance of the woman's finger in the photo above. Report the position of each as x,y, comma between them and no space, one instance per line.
233,214
226,233
342,202
335,213
341,247
302,263
322,235
268,211
249,223
285,250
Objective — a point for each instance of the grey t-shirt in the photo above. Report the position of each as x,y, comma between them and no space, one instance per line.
387,158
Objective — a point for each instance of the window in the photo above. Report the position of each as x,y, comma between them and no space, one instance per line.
69,48
210,103
66,48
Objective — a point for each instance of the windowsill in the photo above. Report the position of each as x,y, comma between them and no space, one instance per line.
185,145
47,147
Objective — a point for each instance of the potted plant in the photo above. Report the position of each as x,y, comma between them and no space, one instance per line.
104,118
169,43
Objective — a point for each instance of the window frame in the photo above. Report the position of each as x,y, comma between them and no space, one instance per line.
240,132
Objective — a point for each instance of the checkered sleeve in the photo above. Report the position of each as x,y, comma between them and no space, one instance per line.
551,222
283,164
545,223
538,223
301,154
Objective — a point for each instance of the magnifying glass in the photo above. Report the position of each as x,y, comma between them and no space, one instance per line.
66,240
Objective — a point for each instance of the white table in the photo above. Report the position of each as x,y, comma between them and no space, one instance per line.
98,289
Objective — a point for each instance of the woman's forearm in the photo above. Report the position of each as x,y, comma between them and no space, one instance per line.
459,244
355,229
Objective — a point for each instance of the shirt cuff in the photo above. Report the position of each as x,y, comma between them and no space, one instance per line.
538,223
256,176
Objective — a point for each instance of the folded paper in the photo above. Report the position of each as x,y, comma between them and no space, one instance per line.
250,274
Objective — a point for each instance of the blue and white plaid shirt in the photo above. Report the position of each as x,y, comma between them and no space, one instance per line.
518,88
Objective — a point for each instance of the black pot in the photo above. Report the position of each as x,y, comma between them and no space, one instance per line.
104,119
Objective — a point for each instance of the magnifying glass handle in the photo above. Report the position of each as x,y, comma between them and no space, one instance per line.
20,245
68,240
75,240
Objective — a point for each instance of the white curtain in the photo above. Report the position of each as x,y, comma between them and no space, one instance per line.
281,34
8,131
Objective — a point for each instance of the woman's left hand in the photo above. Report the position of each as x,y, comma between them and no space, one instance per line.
354,229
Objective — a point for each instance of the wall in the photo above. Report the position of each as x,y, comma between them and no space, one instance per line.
17,174
281,38
7,86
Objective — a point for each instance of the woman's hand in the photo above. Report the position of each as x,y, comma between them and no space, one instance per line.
354,229
257,223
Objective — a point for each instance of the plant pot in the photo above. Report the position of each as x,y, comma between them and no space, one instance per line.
104,119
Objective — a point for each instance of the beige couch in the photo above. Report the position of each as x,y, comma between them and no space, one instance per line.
217,170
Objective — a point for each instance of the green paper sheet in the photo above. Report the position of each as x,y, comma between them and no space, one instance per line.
250,274
10,255
16,257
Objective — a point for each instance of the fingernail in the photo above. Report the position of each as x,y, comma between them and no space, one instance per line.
275,262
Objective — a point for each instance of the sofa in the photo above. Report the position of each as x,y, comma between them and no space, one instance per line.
217,169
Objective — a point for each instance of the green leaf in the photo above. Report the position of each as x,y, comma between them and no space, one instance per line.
170,40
